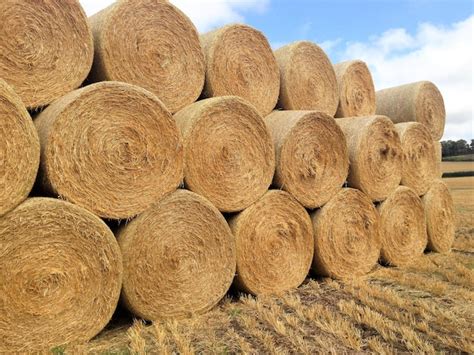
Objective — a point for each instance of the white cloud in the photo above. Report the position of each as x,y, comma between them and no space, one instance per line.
93,6
329,45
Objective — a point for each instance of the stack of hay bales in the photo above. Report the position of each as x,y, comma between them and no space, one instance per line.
254,184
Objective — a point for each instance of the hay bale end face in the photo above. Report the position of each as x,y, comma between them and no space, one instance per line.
375,154
307,77
403,227
440,215
415,102
46,47
61,275
420,165
179,258
274,241
346,236
356,89
110,147
19,150
311,155
229,155
240,62
151,44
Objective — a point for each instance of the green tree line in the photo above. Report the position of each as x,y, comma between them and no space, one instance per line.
459,147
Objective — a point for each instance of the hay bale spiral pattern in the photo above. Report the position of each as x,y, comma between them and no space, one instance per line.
179,258
110,147
46,48
151,44
274,241
61,275
346,236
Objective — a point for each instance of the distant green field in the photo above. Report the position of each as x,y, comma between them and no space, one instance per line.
467,157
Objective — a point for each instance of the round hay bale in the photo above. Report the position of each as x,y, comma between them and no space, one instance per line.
151,44
375,154
110,147
274,241
415,102
356,89
229,155
403,227
61,275
312,159
46,48
420,166
19,150
307,77
346,236
439,212
240,62
439,158
179,258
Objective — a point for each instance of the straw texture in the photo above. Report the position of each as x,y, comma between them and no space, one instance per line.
240,62
375,153
311,155
61,274
440,215
152,44
439,158
307,77
179,258
346,236
110,147
356,89
415,102
274,241
403,227
420,165
19,150
46,48
229,155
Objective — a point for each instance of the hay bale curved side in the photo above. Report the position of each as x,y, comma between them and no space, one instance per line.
403,227
47,48
229,155
19,150
439,213
179,258
61,275
439,158
375,154
307,78
151,44
356,89
420,166
274,241
110,147
240,62
312,159
415,102
346,236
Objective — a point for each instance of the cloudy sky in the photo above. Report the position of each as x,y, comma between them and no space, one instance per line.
401,40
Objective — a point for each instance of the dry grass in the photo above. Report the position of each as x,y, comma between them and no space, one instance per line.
454,166
424,307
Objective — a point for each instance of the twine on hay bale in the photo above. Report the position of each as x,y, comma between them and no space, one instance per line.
46,48
152,44
61,275
307,77
312,159
274,242
415,102
179,258
110,147
403,227
356,89
229,155
240,62
420,166
346,236
375,154
439,213
19,150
